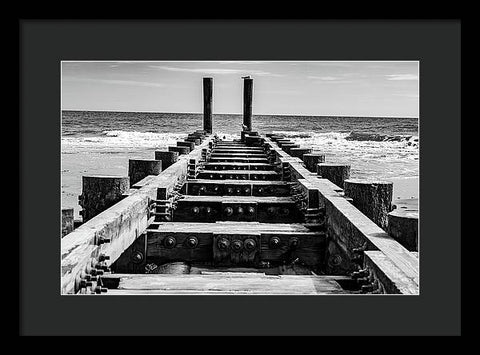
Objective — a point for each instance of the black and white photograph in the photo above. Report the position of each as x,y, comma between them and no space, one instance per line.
240,177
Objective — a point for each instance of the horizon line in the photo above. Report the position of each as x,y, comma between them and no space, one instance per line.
223,113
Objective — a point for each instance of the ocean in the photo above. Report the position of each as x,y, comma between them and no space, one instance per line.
95,142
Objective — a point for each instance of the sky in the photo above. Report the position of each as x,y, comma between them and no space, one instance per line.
376,89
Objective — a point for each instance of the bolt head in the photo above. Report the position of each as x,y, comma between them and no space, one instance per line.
223,244
275,242
293,242
170,242
250,244
229,211
237,245
196,210
192,241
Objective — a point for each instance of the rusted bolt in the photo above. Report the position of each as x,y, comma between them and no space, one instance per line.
95,272
100,289
336,260
228,211
271,211
202,189
251,210
293,243
208,210
223,244
192,241
275,242
240,210
230,190
196,210
84,283
238,190
103,257
260,190
285,211
215,189
237,245
247,190
102,240
169,242
137,257
250,244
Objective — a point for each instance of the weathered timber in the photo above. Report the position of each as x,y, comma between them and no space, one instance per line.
167,158
238,166
269,209
336,173
312,159
207,104
241,283
240,187
392,279
121,224
67,221
403,223
371,197
238,155
189,144
180,150
238,175
287,147
227,159
299,152
253,141
238,150
100,193
138,169
247,103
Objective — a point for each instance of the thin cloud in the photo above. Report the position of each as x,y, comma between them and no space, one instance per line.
402,77
329,79
216,71
114,82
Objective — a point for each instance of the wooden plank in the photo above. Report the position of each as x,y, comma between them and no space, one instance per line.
240,155
232,227
227,159
229,283
392,278
238,166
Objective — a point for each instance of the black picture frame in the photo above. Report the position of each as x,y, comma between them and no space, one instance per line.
44,43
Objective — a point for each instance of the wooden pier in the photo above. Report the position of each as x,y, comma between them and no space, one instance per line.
255,215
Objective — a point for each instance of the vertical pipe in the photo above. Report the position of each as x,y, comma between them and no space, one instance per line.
247,103
207,104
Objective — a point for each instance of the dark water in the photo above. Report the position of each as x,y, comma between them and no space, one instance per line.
101,142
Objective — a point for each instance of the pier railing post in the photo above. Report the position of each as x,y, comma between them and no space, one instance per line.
141,168
167,158
100,193
372,198
403,224
67,221
247,103
207,104
336,173
312,159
